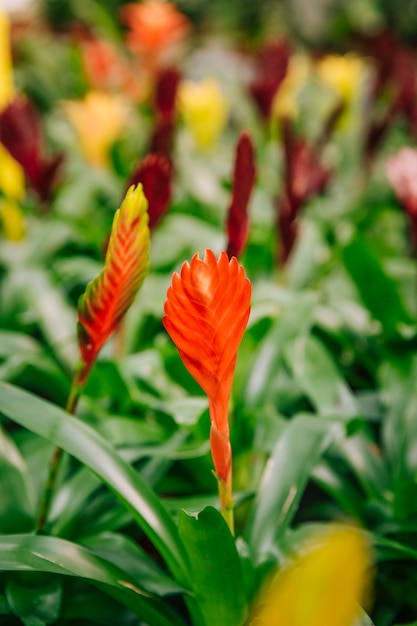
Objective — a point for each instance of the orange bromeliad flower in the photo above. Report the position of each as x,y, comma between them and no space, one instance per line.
110,294
154,27
206,313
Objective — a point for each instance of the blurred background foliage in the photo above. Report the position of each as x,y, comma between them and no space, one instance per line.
325,380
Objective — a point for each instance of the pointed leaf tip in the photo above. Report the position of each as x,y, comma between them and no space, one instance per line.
107,297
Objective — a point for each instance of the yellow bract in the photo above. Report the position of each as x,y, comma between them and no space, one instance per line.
324,587
344,73
11,174
285,101
6,75
12,220
135,202
98,120
204,110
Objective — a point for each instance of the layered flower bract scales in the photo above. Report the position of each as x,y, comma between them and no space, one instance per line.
206,313
110,294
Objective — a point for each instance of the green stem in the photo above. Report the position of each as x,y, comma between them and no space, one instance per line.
77,386
226,504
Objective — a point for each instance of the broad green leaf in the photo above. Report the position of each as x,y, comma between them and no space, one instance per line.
123,552
17,498
93,606
58,556
296,453
392,550
71,498
367,463
50,308
377,290
109,295
215,567
296,318
90,448
309,253
399,433
38,373
13,342
341,488
317,375
398,381
35,598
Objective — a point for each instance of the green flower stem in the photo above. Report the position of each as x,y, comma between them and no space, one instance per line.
77,387
226,504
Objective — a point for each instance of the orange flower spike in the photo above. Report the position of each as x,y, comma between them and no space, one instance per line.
110,294
154,27
206,313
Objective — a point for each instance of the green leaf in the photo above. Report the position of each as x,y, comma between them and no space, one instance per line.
126,554
50,554
71,498
367,463
377,290
398,381
296,453
92,606
12,342
296,318
342,489
309,252
90,448
317,375
17,501
34,600
215,565
54,314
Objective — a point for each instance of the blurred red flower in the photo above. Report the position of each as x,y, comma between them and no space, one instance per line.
271,67
106,69
244,174
155,174
21,135
401,171
154,27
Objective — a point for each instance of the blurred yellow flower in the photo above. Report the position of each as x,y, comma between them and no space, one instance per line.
204,110
12,220
6,74
343,73
12,181
285,102
98,120
323,587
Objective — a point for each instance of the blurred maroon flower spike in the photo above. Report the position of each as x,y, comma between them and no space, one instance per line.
396,73
21,135
272,66
304,178
401,171
244,174
166,89
154,172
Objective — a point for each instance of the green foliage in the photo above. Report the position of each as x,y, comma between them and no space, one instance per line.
323,415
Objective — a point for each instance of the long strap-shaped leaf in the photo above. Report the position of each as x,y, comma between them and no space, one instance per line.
59,556
85,444
109,295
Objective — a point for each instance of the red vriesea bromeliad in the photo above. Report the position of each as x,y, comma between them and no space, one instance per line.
206,313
